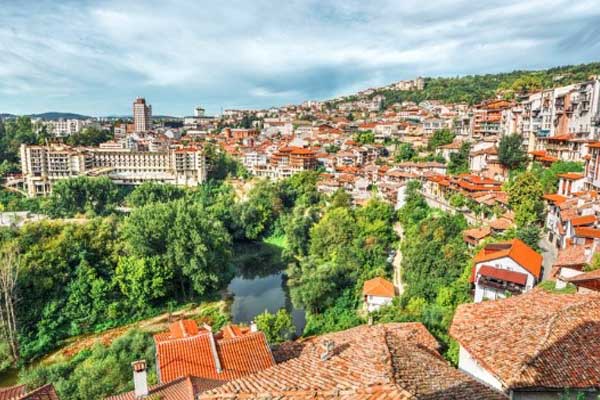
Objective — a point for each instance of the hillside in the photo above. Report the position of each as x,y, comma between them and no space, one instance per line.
473,89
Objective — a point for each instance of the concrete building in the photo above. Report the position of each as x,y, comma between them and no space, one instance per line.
142,115
43,166
66,127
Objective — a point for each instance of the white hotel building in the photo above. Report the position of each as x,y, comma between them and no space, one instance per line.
42,166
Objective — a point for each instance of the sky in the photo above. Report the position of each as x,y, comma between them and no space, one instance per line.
95,57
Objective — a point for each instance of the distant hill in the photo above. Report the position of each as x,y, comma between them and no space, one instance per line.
54,115
49,116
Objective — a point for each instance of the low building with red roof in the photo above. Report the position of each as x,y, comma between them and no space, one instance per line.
533,346
502,268
377,292
189,350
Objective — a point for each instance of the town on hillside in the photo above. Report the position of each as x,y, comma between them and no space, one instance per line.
421,248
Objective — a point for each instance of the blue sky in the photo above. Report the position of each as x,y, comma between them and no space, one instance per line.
95,57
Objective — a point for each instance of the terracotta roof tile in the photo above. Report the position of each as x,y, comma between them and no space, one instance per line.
194,354
389,361
186,388
535,340
378,287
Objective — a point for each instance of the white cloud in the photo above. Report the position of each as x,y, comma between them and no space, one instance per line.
100,53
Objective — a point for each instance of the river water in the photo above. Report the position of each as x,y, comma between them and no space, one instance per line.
260,285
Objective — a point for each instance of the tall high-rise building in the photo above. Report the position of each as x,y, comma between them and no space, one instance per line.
142,115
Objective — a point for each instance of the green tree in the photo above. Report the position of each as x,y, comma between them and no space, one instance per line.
525,193
549,176
151,192
277,327
144,281
89,136
530,235
459,161
406,152
97,196
440,138
510,151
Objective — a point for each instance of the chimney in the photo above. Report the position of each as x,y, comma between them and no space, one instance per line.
140,379
213,348
327,346
253,327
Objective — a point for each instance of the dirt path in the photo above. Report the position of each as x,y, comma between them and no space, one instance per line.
156,324
397,263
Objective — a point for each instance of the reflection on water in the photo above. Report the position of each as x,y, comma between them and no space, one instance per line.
9,377
254,296
259,284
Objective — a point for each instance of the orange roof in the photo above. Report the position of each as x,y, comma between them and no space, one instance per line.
555,198
515,249
477,233
189,351
586,232
572,176
379,287
583,220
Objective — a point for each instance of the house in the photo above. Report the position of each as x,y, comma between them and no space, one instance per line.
499,268
189,350
474,236
586,282
377,292
20,392
386,361
533,346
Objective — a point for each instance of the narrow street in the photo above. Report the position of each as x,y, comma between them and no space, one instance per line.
549,253
397,263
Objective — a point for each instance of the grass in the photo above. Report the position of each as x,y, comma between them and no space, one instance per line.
550,287
277,240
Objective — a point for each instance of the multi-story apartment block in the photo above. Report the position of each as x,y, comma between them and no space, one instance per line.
142,115
42,166
66,127
561,121
487,118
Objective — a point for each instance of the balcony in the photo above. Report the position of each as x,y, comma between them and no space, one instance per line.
542,133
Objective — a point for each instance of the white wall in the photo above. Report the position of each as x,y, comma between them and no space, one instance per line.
506,263
469,365
376,302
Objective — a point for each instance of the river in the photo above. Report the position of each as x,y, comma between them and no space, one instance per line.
260,284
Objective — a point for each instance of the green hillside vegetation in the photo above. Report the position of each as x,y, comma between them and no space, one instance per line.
473,89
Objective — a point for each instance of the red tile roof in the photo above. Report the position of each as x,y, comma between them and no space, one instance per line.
555,198
378,287
515,249
12,393
571,256
388,361
534,340
586,232
503,274
186,388
571,176
181,353
583,220
45,392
